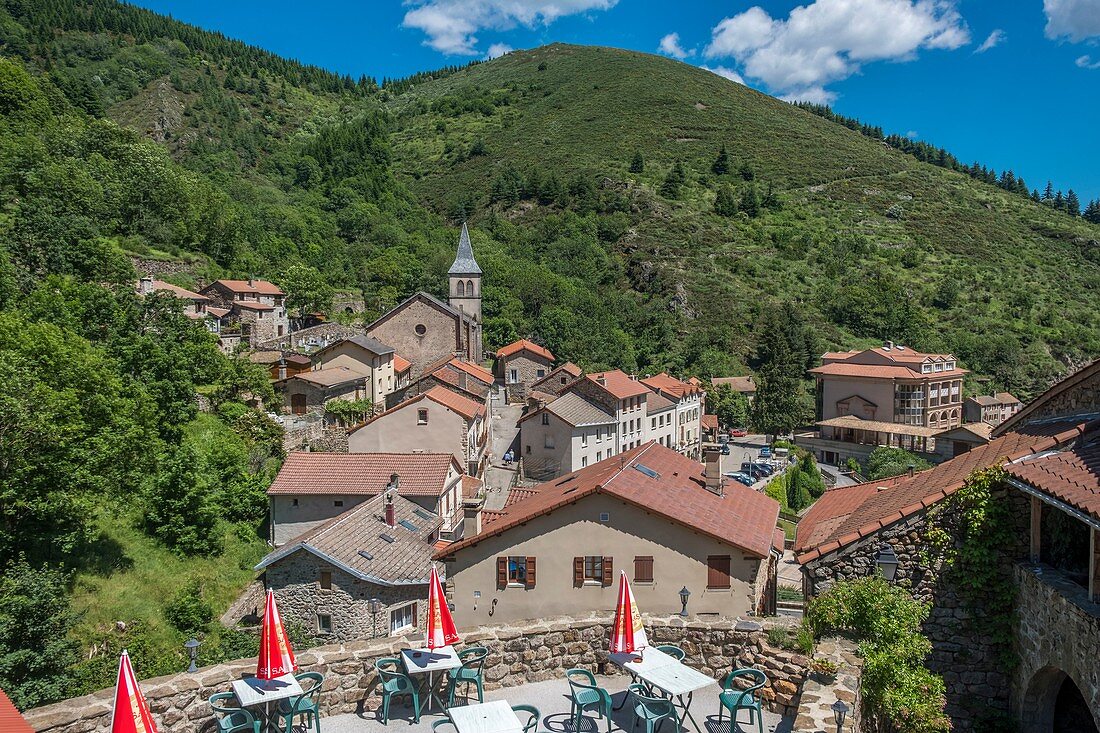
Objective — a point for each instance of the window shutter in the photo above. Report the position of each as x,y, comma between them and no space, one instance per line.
718,571
643,569
530,572
502,572
578,571
608,572
415,617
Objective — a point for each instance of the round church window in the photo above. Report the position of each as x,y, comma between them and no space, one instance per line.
421,329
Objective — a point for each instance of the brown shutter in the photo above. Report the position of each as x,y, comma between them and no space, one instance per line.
530,572
502,572
608,571
578,571
643,569
718,571
416,618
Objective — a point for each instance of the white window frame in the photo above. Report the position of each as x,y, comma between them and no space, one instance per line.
408,613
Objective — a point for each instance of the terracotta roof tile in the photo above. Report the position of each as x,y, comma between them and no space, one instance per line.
464,406
176,290
10,719
421,474
881,371
741,517
670,385
251,305
460,381
471,487
525,345
1071,476
401,364
618,384
263,287
842,513
779,538
477,372
710,422
737,384
329,377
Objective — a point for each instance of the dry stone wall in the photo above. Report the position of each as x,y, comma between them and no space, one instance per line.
521,653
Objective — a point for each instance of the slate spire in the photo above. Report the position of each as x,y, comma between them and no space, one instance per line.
464,263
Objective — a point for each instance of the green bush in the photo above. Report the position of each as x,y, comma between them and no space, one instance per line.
189,612
885,462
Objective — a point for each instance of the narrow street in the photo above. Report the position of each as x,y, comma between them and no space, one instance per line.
498,475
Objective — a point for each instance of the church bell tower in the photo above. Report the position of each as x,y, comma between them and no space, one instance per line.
465,279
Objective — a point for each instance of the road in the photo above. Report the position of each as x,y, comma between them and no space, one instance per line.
504,435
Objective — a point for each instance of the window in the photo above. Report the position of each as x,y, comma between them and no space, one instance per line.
564,380
599,434
925,368
545,418
548,442
513,376
584,461
515,570
469,287
421,417
324,623
599,456
540,373
461,290
403,618
528,449
718,571
652,423
643,569
294,502
938,367
420,329
338,502
949,366
326,580
584,438
593,568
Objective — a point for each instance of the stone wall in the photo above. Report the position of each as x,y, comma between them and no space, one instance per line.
310,339
821,691
518,654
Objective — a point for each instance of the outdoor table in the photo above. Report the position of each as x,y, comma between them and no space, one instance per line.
253,691
488,717
430,661
668,674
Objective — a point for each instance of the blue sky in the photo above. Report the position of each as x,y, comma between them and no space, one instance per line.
1011,83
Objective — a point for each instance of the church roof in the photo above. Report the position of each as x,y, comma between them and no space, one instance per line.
464,263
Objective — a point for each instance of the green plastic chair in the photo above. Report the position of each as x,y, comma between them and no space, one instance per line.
531,725
673,651
733,698
470,673
584,695
230,718
649,709
304,706
396,683
440,723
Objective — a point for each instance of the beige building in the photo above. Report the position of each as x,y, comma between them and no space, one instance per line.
622,396
688,399
309,391
312,488
367,356
992,409
565,435
664,426
257,306
521,364
650,512
437,421
890,395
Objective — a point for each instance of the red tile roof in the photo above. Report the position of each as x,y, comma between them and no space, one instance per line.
844,515
401,364
421,474
741,517
10,719
330,377
176,290
462,405
251,305
525,345
1064,385
670,385
479,373
618,384
710,422
262,287
471,487
1070,476
881,371
779,538
737,384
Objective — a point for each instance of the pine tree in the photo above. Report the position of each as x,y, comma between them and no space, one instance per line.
1092,211
674,181
1048,192
1073,204
746,171
771,199
722,164
750,201
725,203
1059,201
637,165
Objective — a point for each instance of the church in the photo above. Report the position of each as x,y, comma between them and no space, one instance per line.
425,330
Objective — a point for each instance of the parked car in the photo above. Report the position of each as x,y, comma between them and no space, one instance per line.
755,470
766,468
738,433
740,477
725,449
723,439
766,452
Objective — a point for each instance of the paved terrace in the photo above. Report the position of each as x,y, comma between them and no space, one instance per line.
552,699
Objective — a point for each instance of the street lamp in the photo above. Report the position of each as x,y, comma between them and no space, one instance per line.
192,647
887,562
840,710
375,606
684,593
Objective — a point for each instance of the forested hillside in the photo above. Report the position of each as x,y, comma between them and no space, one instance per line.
629,211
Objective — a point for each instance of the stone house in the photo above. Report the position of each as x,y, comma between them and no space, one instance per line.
1051,452
367,356
456,375
956,441
652,512
257,305
521,364
709,425
745,385
362,574
309,391
424,329
437,421
195,304
688,399
281,365
565,435
558,379
313,487
992,409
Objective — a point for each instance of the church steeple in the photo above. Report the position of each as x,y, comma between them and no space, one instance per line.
465,278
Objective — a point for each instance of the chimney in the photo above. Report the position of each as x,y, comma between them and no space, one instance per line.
282,368
251,281
912,469
391,490
889,345
145,285
633,377
601,380
471,516
712,471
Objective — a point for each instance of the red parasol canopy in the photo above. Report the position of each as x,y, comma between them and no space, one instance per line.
276,656
627,633
440,626
131,713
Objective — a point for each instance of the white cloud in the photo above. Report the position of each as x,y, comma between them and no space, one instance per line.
912,134
1076,20
670,45
725,73
993,39
451,25
828,40
814,95
498,49
1085,62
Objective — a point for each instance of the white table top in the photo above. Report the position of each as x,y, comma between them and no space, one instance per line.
430,660
663,671
254,691
490,717
652,658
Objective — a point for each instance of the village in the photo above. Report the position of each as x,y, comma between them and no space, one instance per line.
560,523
